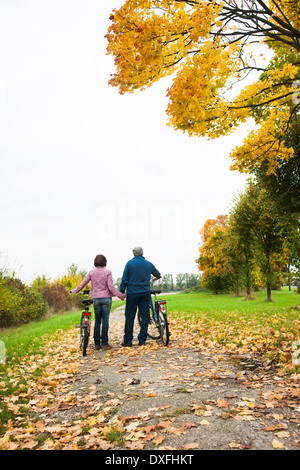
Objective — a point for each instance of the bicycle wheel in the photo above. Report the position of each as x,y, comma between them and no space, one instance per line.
85,341
84,335
163,327
152,332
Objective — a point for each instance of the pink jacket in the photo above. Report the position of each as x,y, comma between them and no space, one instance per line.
102,284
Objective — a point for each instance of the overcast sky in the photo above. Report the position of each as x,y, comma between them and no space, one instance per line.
85,170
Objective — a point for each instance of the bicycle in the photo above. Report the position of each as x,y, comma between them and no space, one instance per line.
85,323
158,326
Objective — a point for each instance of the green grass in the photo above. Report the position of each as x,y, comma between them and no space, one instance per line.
247,326
205,302
29,339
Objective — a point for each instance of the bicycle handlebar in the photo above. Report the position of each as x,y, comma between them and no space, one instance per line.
85,292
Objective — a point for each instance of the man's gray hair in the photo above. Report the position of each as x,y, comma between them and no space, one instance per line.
137,251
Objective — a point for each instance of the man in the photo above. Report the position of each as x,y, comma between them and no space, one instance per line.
136,281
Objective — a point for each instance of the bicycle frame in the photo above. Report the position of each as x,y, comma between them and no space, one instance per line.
159,314
152,307
85,323
161,303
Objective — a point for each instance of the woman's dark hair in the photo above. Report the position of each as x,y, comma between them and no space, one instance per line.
100,260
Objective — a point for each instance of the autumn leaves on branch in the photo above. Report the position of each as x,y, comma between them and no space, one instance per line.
211,49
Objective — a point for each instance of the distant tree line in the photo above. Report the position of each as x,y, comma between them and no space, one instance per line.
168,284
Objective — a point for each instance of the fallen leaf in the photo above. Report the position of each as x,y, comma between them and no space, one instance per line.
131,427
271,427
135,436
193,445
30,444
283,434
278,416
277,444
166,423
145,384
204,422
105,445
138,445
221,403
158,440
199,412
178,431
93,431
149,428
189,425
234,445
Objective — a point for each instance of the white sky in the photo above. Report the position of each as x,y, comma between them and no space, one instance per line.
85,170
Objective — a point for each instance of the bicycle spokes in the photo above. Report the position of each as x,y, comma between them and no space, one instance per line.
163,327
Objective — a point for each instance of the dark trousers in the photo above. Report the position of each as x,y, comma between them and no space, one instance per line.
134,301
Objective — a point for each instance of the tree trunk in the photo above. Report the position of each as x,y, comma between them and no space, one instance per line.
289,277
248,280
237,287
269,295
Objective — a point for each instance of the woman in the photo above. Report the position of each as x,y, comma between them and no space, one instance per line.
102,291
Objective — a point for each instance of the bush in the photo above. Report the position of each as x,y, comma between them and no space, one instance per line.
57,297
19,304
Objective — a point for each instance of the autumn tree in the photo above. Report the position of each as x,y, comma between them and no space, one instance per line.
241,231
283,189
210,48
234,257
213,260
283,185
259,217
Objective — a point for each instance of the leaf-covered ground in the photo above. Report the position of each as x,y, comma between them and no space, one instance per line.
218,385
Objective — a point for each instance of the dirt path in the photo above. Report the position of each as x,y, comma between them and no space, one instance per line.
176,397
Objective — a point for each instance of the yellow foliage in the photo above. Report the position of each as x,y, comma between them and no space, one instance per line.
71,281
204,46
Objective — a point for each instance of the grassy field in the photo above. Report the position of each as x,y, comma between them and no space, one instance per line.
28,339
186,307
207,303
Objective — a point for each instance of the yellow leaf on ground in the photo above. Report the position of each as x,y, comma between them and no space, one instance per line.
277,444
283,434
234,445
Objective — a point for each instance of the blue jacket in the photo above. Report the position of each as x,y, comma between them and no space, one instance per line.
136,276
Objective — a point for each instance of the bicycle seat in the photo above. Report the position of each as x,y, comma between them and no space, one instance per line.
87,301
155,291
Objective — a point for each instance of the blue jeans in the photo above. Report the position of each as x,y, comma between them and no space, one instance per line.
102,310
132,302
